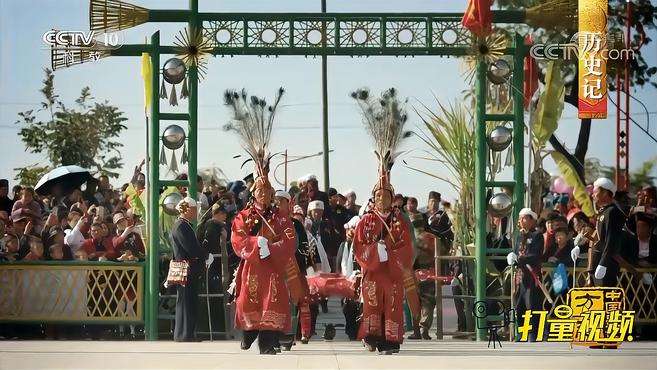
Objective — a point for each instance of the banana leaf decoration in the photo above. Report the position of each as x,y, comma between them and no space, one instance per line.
166,220
135,201
572,179
550,105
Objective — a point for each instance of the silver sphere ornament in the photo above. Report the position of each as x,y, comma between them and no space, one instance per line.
499,138
173,137
500,205
174,71
170,202
499,71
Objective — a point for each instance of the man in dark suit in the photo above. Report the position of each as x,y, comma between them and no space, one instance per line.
186,247
527,257
603,264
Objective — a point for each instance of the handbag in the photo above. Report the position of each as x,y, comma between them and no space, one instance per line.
178,271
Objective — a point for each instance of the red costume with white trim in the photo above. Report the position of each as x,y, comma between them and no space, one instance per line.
383,282
262,298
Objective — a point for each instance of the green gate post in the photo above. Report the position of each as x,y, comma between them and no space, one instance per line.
518,129
153,288
192,79
480,192
481,183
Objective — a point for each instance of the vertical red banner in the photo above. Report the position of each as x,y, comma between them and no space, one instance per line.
592,43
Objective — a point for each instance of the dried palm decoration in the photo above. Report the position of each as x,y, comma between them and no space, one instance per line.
63,57
253,120
193,48
384,119
489,49
115,15
553,14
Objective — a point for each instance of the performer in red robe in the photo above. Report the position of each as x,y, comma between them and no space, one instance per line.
261,236
382,243
265,240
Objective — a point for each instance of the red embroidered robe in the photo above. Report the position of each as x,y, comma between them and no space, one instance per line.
262,295
383,282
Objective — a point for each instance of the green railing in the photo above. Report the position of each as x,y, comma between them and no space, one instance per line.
71,292
639,297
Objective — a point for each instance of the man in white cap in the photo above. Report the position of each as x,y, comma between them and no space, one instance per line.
303,259
347,266
603,267
325,238
319,229
186,247
527,257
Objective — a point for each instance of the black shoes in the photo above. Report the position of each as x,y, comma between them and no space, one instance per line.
248,337
425,334
416,334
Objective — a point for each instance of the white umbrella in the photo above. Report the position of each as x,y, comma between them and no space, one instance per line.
66,177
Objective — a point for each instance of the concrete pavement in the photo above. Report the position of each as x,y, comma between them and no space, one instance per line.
88,355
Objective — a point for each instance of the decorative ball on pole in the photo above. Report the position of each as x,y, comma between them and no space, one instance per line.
499,71
499,138
173,137
170,202
174,71
500,205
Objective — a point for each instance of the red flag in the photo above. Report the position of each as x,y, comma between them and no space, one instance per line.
478,17
530,83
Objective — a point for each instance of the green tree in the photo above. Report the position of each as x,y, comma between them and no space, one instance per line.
30,175
85,135
639,178
641,74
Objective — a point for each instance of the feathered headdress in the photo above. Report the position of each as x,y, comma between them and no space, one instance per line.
384,120
253,120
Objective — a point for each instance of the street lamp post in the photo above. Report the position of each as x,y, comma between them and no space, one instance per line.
286,161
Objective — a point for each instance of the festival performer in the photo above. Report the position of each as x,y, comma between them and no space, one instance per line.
261,236
347,267
382,243
304,259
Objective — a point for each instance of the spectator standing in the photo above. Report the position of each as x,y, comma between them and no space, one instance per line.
99,246
186,247
30,207
527,257
6,203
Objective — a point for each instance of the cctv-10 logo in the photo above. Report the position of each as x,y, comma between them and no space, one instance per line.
82,39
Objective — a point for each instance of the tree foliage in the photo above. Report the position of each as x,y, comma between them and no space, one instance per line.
644,15
30,175
84,135
638,178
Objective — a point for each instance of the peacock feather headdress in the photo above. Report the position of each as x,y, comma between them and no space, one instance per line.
252,120
384,119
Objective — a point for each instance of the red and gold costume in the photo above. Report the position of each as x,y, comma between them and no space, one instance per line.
382,241
262,237
383,282
262,294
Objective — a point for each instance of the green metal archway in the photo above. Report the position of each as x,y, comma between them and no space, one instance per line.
323,34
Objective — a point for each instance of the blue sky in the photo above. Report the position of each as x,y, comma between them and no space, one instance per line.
23,56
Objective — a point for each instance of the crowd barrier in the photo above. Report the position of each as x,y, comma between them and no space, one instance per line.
71,292
639,297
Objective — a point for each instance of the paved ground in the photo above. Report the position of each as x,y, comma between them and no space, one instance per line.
339,354
89,355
